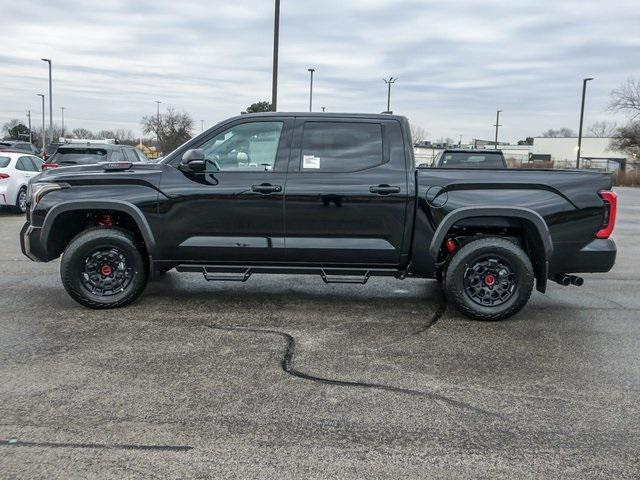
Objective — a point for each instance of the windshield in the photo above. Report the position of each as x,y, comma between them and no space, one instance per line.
471,160
79,156
4,162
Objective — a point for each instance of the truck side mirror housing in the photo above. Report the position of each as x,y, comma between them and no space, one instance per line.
193,160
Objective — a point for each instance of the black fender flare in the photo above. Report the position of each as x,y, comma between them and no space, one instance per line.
117,205
531,217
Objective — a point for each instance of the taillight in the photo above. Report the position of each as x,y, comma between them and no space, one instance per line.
47,166
4,176
610,207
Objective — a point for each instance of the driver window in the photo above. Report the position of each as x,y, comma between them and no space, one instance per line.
248,147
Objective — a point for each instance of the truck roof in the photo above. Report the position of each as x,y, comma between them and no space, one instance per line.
472,150
376,116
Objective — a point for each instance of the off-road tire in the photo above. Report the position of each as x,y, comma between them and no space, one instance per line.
73,264
454,282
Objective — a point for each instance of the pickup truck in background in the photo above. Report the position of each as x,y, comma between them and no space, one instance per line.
461,158
336,195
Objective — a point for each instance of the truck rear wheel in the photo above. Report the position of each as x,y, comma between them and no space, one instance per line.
489,279
103,268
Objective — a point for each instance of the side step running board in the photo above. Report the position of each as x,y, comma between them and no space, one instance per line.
345,278
226,277
242,273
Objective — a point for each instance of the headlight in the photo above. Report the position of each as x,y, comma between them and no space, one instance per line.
35,191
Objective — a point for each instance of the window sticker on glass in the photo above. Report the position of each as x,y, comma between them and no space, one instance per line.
310,161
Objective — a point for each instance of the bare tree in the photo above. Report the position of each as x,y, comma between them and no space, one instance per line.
603,129
626,98
418,133
124,135
105,134
627,138
561,132
83,133
172,128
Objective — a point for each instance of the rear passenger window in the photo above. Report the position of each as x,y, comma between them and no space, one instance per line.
340,146
22,165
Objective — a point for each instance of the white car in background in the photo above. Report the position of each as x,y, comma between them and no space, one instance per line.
16,168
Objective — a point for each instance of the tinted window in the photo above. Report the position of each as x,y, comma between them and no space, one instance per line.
23,166
51,148
247,147
37,163
28,164
129,155
116,156
4,162
141,156
78,156
340,147
471,160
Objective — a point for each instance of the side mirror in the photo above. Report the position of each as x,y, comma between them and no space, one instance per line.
193,160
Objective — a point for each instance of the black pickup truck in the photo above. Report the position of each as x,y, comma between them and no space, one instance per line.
336,195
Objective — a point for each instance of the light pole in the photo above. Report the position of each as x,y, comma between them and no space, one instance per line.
584,91
43,139
62,112
389,82
158,102
50,99
29,120
276,38
311,70
497,125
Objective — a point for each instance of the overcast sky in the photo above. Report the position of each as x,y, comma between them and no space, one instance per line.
456,61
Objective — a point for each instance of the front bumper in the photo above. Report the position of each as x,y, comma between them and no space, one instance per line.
31,244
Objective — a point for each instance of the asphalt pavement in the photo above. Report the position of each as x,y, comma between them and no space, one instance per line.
286,377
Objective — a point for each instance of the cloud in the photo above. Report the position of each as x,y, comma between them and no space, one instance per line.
457,62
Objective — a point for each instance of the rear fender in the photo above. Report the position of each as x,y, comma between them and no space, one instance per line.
536,233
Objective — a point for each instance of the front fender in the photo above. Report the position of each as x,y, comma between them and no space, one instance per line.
115,205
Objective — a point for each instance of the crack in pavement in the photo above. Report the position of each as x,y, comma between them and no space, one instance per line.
287,366
113,446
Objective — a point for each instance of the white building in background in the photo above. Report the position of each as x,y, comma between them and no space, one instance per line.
594,150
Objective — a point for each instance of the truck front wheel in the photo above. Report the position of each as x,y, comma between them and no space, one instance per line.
103,268
489,279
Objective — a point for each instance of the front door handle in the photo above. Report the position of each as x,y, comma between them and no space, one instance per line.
384,189
266,188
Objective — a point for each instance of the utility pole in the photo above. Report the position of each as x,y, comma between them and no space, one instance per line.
50,100
43,139
584,91
311,70
29,121
497,125
62,112
276,39
389,82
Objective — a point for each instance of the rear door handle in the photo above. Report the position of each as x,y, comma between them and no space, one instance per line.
384,189
266,188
